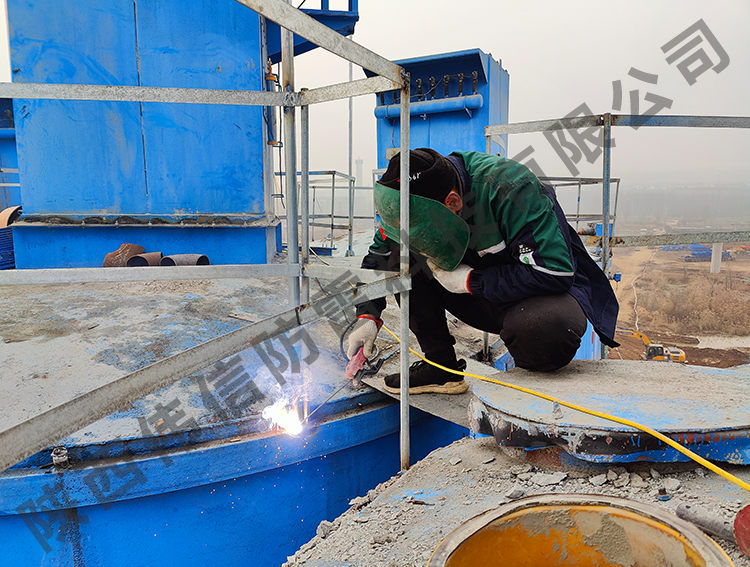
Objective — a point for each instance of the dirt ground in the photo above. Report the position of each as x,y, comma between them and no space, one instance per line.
674,302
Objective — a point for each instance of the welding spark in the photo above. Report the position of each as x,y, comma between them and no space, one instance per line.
284,416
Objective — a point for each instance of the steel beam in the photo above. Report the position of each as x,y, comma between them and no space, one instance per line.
347,90
146,274
33,435
321,35
543,125
681,121
123,93
355,275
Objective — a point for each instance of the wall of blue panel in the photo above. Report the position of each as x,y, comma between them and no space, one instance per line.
132,158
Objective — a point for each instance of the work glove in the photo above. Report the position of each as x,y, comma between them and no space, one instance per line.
364,334
456,281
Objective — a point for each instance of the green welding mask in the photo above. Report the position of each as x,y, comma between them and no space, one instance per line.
434,230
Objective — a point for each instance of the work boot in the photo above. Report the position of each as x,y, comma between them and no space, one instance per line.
424,378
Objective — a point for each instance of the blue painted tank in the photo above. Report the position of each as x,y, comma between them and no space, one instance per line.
196,474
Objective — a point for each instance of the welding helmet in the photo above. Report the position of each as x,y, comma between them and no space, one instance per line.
434,230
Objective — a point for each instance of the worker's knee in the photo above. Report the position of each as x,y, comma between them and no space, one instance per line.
544,333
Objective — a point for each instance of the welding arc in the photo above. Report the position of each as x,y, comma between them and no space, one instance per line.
661,437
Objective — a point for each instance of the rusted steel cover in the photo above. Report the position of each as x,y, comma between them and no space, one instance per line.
581,530
119,258
703,408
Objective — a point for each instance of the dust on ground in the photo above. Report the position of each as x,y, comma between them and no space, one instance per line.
403,520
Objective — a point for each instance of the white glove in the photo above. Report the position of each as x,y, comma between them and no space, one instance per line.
363,335
456,281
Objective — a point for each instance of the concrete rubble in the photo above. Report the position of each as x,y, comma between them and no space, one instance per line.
403,520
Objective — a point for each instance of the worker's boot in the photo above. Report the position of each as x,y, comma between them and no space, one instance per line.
424,378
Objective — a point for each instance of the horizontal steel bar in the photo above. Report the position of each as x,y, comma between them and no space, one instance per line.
39,432
146,94
323,173
10,184
8,170
321,35
144,274
619,120
665,239
353,274
682,121
345,90
543,125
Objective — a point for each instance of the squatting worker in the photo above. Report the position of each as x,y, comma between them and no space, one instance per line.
500,257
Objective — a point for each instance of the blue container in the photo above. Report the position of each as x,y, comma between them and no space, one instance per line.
453,97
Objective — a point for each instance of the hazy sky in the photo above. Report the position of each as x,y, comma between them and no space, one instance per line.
559,55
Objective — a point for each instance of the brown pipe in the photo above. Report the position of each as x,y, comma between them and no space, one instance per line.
185,260
120,257
147,259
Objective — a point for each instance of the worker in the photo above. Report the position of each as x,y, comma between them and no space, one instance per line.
490,244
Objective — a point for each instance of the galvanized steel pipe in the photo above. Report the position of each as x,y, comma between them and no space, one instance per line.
405,440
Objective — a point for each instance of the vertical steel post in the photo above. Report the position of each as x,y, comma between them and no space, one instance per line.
350,250
305,198
290,149
607,144
405,440
333,204
607,147
485,334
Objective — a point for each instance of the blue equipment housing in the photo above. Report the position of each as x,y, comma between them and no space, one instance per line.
152,167
453,97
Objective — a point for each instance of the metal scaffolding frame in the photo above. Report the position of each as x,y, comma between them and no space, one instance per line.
606,122
22,441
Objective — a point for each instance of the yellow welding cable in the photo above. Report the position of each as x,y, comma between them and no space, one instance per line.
635,425
687,452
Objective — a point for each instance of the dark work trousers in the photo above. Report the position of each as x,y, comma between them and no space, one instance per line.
541,333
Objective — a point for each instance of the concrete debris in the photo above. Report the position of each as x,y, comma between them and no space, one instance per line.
543,479
636,481
671,484
611,475
525,476
488,461
455,460
656,476
520,469
598,480
622,480
359,502
516,492
324,529
382,539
